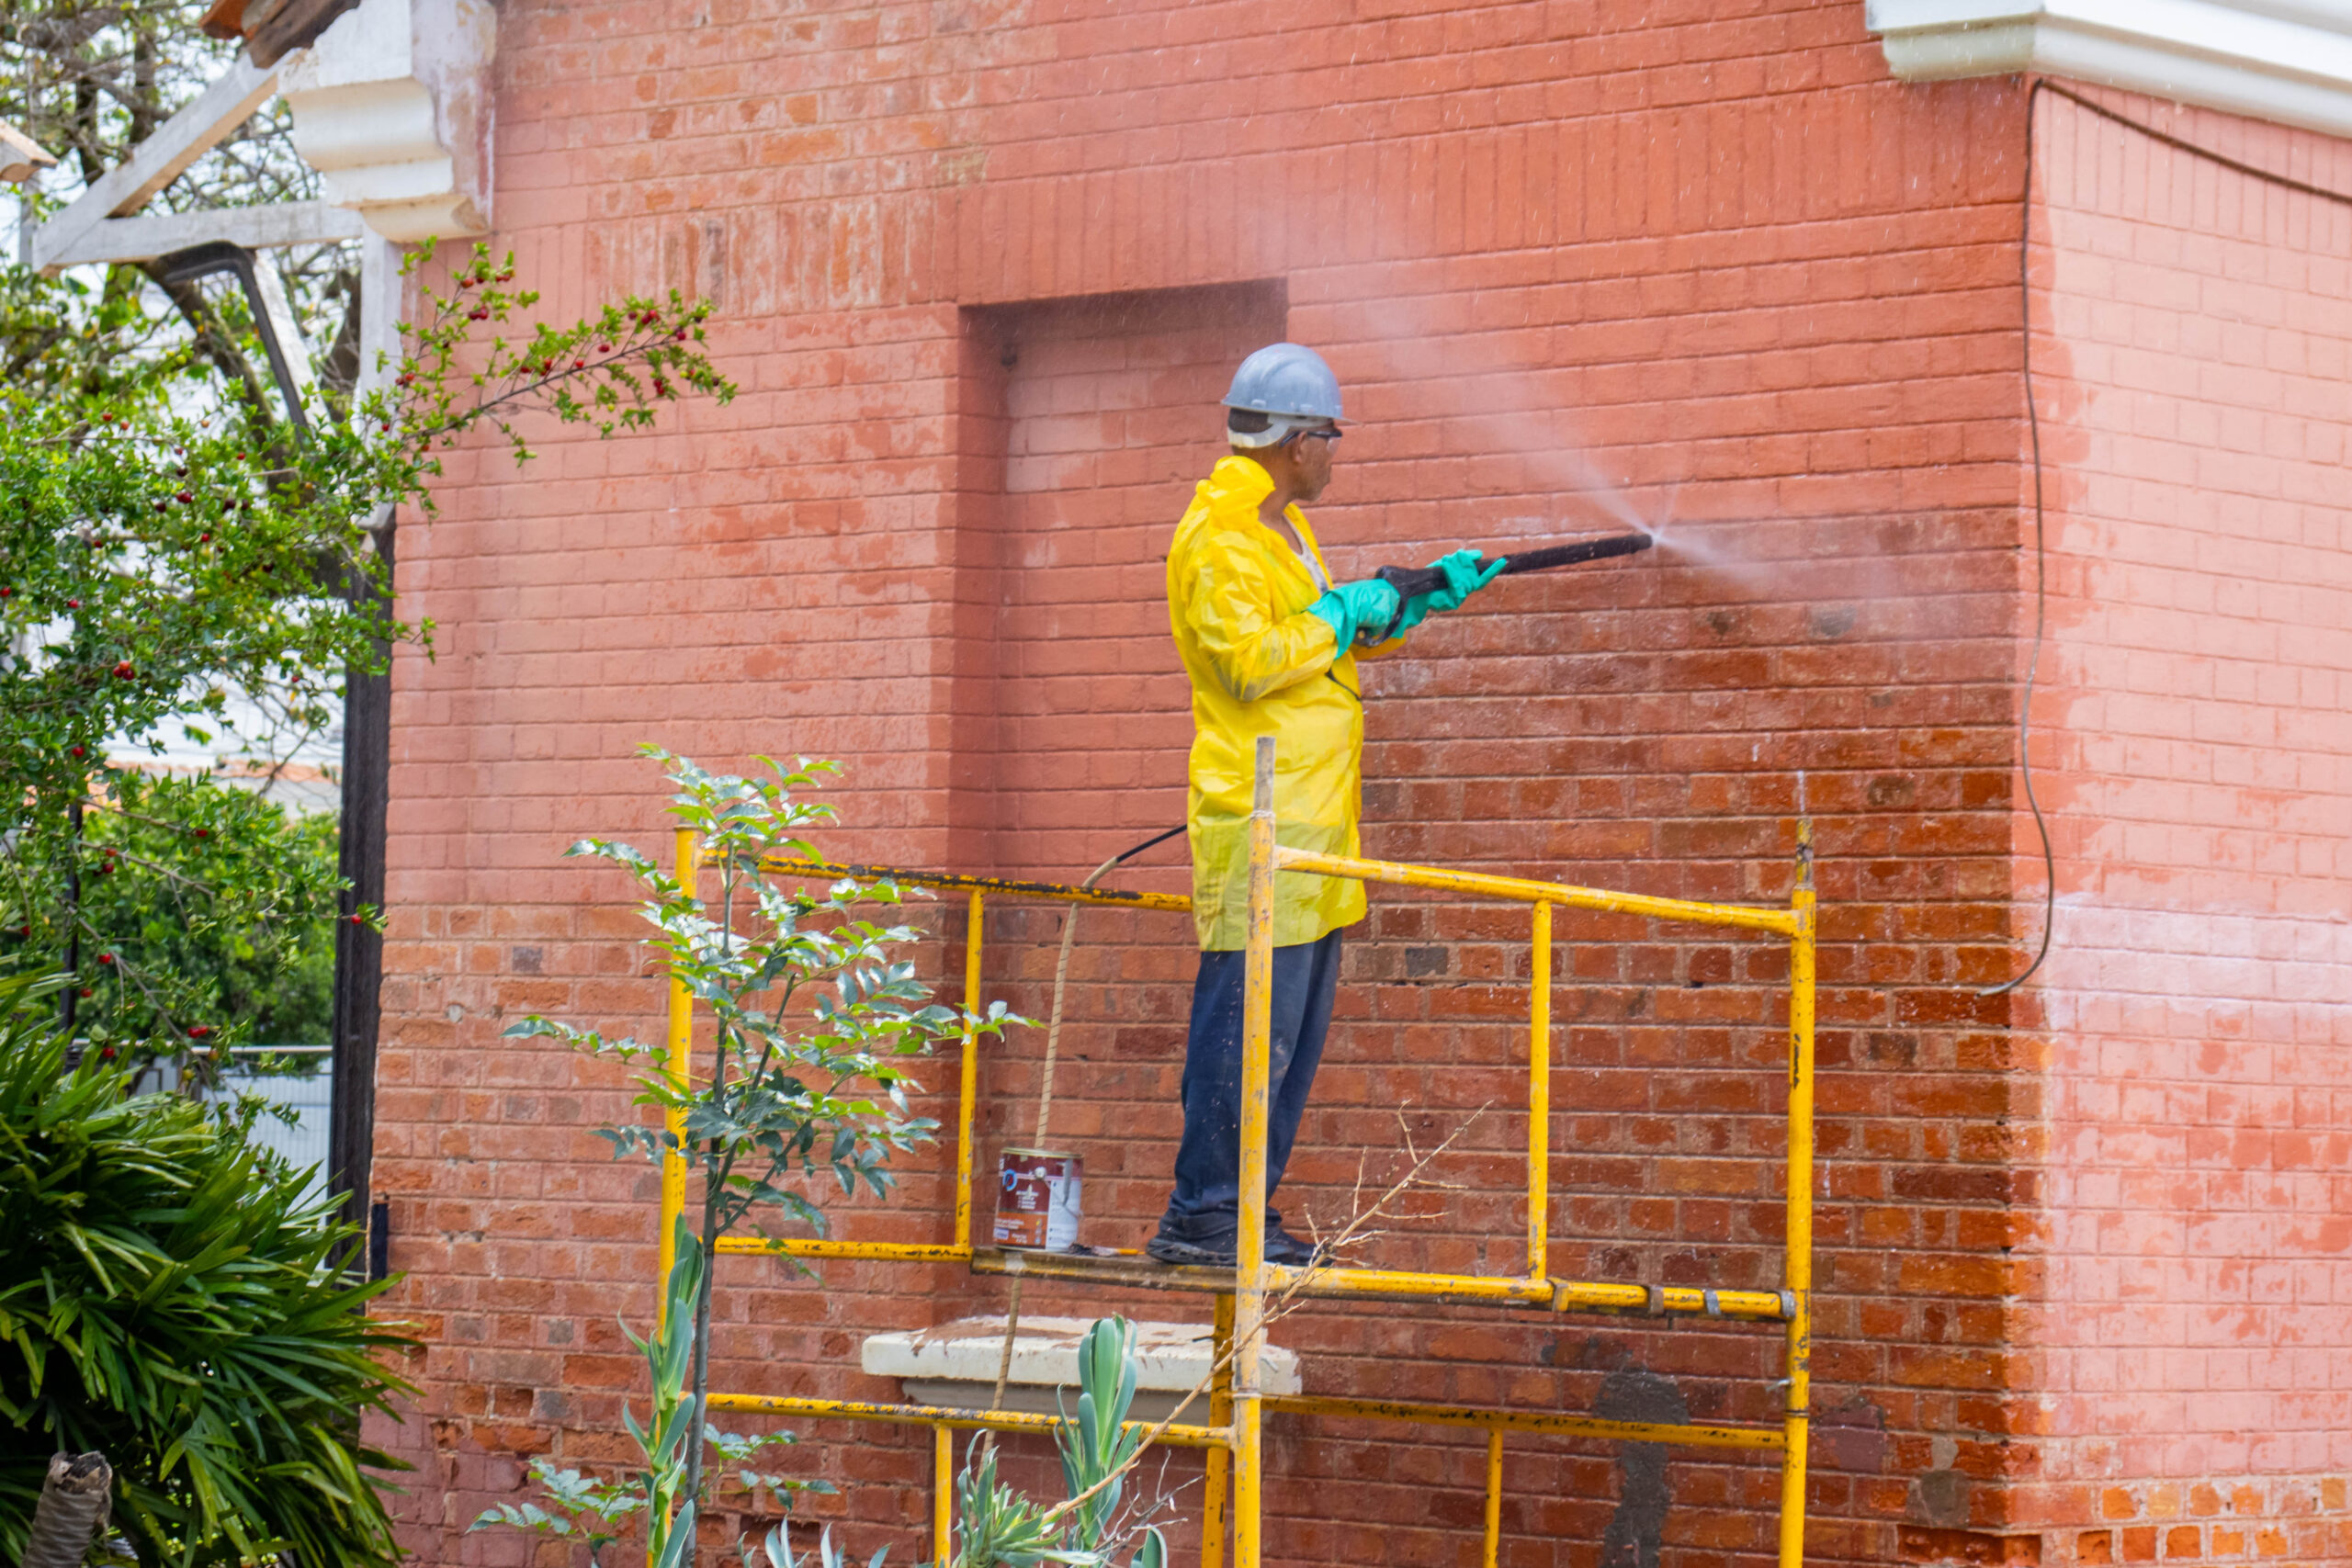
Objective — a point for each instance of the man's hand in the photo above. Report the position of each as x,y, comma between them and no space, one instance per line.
1465,573
1353,608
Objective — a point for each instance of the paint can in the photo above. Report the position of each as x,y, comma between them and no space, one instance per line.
1037,1201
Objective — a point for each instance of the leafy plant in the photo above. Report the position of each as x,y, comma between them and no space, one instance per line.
596,1512
779,1553
201,904
175,1302
169,560
813,1012
1096,1524
1099,1451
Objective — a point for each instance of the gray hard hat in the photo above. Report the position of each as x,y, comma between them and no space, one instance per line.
1286,380
1289,384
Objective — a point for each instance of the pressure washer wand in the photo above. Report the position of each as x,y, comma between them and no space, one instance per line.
1410,580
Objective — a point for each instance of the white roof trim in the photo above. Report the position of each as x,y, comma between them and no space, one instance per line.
2288,61
156,161
256,228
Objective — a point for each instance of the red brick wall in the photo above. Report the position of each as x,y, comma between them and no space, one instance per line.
2194,1322
1575,262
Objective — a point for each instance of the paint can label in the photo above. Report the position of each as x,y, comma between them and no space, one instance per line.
1038,1200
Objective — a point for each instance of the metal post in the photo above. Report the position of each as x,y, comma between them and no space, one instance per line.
1538,1098
1798,1266
681,1044
1495,1490
1220,1459
943,1494
1249,1266
969,1076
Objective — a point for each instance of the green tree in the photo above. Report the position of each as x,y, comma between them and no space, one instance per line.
201,899
175,1300
89,80
156,563
813,1011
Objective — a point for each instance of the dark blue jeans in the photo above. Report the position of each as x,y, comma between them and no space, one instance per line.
1206,1206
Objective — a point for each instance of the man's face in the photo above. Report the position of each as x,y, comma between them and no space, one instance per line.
1310,455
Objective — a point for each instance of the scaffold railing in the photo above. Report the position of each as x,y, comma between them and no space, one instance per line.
1235,1482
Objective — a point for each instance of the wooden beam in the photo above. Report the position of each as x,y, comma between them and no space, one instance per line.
256,228
158,160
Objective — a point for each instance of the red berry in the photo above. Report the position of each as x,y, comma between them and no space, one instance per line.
123,672
204,538
198,1033
578,365
106,1055
4,592
87,992
161,503
186,498
106,957
203,832
77,750
73,603
680,334
357,921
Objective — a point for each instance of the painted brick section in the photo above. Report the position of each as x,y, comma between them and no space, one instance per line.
2197,1310
976,268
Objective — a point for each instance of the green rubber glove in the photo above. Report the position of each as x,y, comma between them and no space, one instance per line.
1464,575
1351,607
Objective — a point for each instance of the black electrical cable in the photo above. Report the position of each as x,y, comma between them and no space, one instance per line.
2041,564
1123,856
2033,427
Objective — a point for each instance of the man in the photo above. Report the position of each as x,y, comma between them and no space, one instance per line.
1270,643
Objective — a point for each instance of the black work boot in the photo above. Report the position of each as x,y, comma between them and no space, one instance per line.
1222,1251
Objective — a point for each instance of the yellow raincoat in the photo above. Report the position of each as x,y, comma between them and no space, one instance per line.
1260,665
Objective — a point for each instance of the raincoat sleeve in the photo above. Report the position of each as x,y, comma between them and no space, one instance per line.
1232,606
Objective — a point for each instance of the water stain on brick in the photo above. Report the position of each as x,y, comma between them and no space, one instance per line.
1940,1498
1636,1530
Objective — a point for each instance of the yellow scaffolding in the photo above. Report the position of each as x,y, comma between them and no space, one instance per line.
1236,1481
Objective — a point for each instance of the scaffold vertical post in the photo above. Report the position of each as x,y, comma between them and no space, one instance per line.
1799,1264
1219,1462
1539,1096
968,1075
1494,1488
676,1063
943,1494
1250,1264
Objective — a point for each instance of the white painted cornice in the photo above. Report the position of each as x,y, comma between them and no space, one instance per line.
2288,60
392,107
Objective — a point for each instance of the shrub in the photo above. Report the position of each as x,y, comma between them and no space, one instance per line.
173,1300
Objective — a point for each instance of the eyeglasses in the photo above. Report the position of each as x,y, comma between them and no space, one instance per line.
1329,433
